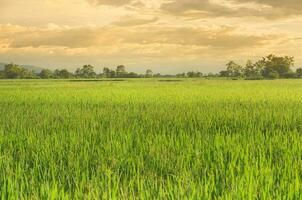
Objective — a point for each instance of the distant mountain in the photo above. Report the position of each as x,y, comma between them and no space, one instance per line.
29,67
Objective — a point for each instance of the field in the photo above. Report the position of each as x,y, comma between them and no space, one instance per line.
151,139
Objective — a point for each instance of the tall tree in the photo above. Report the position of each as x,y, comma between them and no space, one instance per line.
112,74
121,71
192,74
14,72
64,74
252,70
132,75
149,73
46,74
224,73
181,75
87,71
234,69
106,72
299,72
277,65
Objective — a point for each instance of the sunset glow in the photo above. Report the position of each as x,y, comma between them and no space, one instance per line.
167,36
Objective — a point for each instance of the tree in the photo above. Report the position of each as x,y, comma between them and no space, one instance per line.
233,69
273,64
112,74
121,71
252,71
290,74
149,73
193,74
199,74
211,75
273,75
46,74
56,73
27,74
190,74
133,75
299,72
13,71
224,73
181,75
77,73
64,74
158,75
87,71
106,72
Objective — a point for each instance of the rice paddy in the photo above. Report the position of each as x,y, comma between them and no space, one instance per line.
151,139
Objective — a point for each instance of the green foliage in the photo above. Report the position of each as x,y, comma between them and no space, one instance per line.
157,75
133,75
62,74
46,74
121,71
193,74
233,69
290,74
299,72
87,71
107,73
280,65
196,139
224,73
181,75
149,73
253,71
12,71
272,74
254,77
270,67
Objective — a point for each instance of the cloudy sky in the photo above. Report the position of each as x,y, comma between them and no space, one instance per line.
168,36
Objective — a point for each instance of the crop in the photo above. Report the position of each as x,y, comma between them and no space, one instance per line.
151,139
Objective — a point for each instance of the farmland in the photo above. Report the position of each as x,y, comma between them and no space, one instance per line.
151,139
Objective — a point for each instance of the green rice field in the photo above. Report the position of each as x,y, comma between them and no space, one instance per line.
151,139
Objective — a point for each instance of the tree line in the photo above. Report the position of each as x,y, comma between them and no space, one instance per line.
269,67
13,71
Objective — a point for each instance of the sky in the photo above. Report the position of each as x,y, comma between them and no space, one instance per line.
167,36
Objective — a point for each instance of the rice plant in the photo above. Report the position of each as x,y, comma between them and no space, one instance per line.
150,139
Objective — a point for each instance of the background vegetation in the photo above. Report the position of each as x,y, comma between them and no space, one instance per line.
150,139
270,67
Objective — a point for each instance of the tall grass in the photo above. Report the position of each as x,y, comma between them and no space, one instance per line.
197,139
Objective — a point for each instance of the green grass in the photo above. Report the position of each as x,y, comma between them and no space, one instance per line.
146,139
